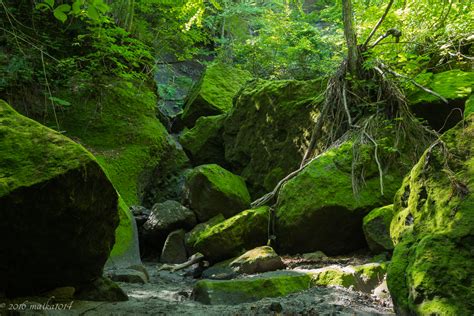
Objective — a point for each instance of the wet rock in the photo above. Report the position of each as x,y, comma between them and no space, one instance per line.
220,271
231,237
213,94
204,143
249,289
141,214
432,229
268,130
128,276
174,250
315,256
165,217
317,209
275,307
257,260
58,209
211,190
376,226
102,289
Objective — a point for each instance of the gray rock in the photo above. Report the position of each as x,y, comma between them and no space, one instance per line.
165,217
102,289
257,260
128,276
174,250
140,213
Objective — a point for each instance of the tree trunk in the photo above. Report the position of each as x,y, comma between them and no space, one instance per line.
351,38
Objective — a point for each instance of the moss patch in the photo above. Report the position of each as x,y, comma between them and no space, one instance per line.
433,228
231,237
376,226
214,92
469,107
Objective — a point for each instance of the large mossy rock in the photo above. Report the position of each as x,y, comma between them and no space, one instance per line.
204,143
268,130
431,272
376,226
257,260
58,209
454,85
317,209
141,159
270,284
231,237
211,190
213,94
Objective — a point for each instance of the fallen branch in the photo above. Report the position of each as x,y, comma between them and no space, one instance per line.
196,258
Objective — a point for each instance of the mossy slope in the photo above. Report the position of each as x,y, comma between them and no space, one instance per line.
58,210
433,230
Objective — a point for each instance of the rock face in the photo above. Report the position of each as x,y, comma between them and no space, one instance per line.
231,237
268,130
317,210
214,92
204,143
192,236
211,190
432,229
174,250
260,259
270,284
376,226
165,217
58,210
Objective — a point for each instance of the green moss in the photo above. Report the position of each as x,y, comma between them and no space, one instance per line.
229,238
320,202
452,84
213,94
469,107
124,237
267,131
333,277
33,153
376,226
433,228
193,235
272,284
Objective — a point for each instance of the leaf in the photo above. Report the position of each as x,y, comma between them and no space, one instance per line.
50,3
60,101
63,8
92,13
42,7
61,16
76,7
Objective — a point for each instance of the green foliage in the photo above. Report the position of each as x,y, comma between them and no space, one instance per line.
91,10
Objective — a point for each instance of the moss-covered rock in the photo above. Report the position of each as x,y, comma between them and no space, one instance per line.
233,236
204,143
270,284
363,278
433,230
214,92
268,130
211,190
58,209
192,236
317,209
376,226
454,85
469,107
143,162
257,260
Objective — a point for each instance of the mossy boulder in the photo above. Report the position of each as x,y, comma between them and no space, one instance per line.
213,94
120,128
257,260
268,130
376,226
433,230
233,236
211,190
192,236
204,143
454,85
318,210
469,107
270,284
363,278
58,209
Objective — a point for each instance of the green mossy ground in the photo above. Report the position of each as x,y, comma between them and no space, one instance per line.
469,107
267,131
214,92
433,228
233,236
376,226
